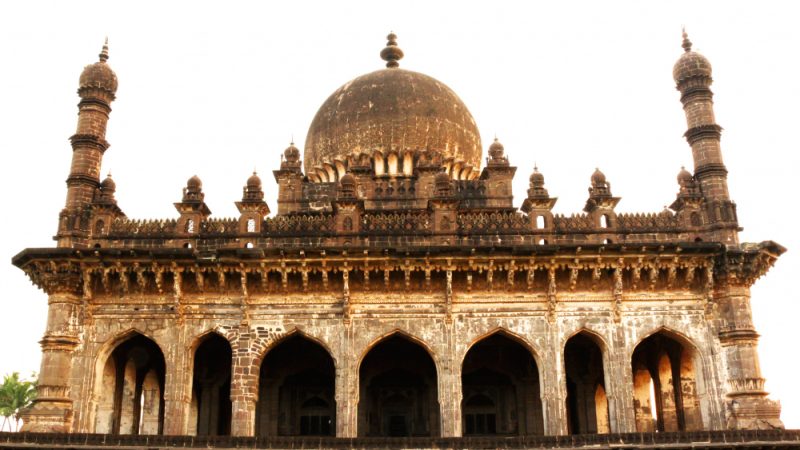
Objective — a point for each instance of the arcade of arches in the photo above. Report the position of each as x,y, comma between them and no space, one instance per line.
399,388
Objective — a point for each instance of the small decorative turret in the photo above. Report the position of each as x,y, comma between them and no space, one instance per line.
347,207
252,208
193,190
392,53
347,187
689,199
539,202
104,208
252,190
291,158
192,208
107,189
497,155
600,196
443,185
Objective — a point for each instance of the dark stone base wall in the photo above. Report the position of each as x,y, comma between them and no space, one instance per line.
755,439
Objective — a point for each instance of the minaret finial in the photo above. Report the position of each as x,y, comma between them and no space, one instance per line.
104,52
392,53
687,44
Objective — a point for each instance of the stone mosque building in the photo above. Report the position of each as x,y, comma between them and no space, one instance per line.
396,290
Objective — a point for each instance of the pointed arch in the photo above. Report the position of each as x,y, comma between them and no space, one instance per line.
401,333
262,347
594,335
296,396
398,387
518,338
211,356
393,163
501,386
408,163
665,360
379,163
130,370
585,356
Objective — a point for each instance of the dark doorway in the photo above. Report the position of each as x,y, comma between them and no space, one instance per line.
398,391
296,390
211,388
587,406
664,385
130,393
500,389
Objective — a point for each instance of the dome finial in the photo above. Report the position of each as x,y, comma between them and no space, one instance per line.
104,52
392,53
687,44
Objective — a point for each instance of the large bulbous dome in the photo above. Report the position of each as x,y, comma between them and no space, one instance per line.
392,109
99,75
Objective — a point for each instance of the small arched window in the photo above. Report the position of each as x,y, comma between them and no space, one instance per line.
251,225
540,221
604,222
249,245
542,242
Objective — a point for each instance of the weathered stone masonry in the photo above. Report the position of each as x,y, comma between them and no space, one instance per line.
398,291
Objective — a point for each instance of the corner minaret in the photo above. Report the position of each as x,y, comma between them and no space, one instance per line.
97,89
692,74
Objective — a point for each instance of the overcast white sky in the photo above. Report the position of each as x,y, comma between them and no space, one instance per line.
216,89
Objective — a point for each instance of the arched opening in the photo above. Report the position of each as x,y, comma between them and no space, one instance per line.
249,245
392,162
665,366
540,221
211,387
583,364
604,221
380,167
500,389
296,390
251,225
398,390
408,164
130,390
99,226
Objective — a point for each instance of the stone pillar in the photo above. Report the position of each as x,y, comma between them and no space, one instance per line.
619,386
346,389
177,388
450,394
52,411
748,406
245,370
554,392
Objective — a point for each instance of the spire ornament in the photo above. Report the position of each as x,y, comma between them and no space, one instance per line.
687,44
104,52
392,53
